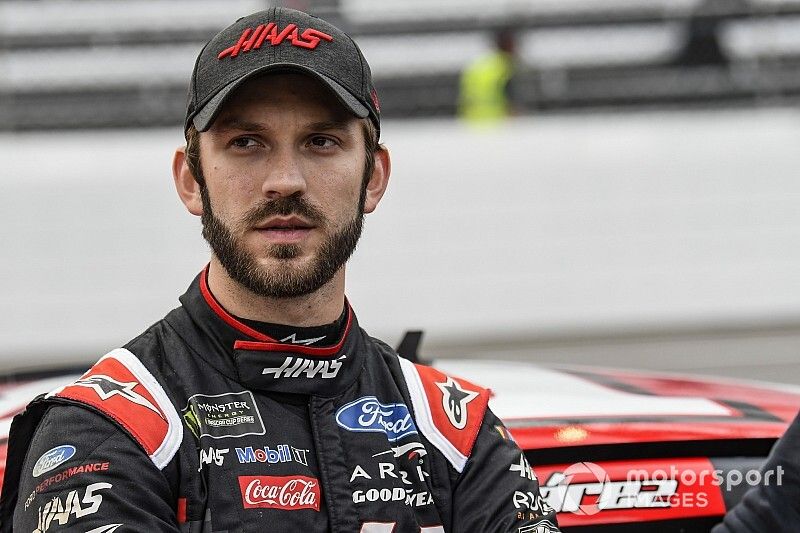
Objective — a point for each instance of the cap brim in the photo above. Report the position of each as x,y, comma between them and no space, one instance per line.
203,118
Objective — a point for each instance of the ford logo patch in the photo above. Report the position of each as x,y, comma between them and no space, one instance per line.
367,414
52,458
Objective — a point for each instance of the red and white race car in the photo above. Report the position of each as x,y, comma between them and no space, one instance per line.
613,450
628,451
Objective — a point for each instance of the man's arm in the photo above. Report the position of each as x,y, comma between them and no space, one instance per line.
83,473
774,507
498,492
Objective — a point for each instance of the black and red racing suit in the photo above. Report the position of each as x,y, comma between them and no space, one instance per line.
775,506
203,424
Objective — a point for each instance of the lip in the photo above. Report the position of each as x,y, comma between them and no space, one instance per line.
285,230
280,223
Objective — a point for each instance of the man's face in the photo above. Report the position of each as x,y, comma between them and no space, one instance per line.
284,171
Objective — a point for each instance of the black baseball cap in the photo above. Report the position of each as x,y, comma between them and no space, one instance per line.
279,39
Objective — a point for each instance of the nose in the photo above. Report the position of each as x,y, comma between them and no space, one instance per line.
284,175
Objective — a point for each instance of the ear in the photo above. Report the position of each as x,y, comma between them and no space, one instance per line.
187,187
379,179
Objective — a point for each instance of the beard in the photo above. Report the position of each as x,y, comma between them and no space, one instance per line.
284,280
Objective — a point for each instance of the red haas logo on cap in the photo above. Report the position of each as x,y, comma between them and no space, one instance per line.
253,39
375,102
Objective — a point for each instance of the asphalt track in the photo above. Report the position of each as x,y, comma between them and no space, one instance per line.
765,353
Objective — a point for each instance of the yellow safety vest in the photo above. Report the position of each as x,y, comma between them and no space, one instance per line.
483,88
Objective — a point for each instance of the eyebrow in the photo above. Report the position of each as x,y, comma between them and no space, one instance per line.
236,123
329,125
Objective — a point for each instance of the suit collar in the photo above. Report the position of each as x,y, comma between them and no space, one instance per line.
260,362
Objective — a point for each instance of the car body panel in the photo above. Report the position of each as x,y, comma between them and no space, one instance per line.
550,407
651,452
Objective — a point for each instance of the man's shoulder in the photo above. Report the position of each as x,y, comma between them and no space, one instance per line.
121,388
75,454
448,410
52,451
150,340
57,426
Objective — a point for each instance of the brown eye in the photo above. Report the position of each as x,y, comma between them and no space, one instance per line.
321,142
243,142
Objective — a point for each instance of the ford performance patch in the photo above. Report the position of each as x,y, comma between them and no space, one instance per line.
367,414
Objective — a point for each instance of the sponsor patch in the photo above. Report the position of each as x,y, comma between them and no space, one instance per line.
531,501
305,367
52,458
542,527
282,453
569,495
252,39
73,507
390,471
213,455
448,411
454,401
523,468
108,528
290,493
64,475
632,490
412,450
292,339
107,387
233,414
120,387
367,414
396,494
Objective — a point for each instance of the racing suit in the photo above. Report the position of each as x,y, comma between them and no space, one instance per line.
204,424
773,507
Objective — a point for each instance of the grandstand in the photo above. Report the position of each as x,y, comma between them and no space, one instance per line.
91,63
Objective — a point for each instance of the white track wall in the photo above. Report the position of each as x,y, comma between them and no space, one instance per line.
548,224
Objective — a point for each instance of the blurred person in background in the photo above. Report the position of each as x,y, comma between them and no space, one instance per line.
486,87
259,403
702,46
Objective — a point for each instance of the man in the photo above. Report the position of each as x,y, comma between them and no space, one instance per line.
486,94
773,507
259,404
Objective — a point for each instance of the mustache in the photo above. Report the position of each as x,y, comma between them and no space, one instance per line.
285,206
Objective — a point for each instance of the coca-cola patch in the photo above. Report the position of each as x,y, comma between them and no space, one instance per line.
290,493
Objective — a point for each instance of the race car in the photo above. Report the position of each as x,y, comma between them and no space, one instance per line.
613,450
628,451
